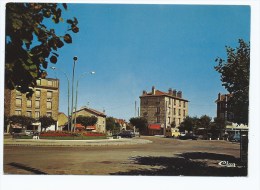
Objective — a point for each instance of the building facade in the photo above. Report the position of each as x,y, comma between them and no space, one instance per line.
101,118
163,110
222,107
44,101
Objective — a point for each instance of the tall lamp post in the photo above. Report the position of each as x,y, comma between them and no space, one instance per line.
76,101
54,68
72,90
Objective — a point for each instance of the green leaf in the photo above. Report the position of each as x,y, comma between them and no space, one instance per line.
65,6
53,59
67,38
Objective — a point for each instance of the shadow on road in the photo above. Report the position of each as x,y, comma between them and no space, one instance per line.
27,168
187,164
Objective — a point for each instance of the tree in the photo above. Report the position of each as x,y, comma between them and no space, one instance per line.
235,78
111,124
187,124
204,121
30,45
140,123
21,120
46,121
86,120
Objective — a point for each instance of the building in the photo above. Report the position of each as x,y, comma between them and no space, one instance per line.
44,101
163,110
62,121
222,107
101,119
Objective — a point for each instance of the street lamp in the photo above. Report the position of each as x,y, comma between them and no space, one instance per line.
81,76
72,90
54,68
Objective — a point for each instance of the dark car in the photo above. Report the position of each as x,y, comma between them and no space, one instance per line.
188,136
126,134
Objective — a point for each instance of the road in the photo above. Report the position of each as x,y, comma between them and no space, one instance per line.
164,157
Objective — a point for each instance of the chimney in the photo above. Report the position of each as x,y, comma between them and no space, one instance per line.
144,92
170,91
179,94
153,90
174,92
219,95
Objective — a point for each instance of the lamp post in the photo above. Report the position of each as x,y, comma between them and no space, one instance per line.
72,90
76,102
54,68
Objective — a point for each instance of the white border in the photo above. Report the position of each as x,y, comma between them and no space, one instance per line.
109,182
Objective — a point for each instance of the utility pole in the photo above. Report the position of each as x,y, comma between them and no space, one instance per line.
135,108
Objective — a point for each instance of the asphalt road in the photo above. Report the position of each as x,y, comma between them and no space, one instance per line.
163,157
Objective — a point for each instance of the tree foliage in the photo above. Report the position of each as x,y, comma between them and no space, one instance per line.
46,121
21,120
110,124
30,45
139,122
235,78
87,120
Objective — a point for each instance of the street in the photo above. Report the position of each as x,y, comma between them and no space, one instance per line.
163,157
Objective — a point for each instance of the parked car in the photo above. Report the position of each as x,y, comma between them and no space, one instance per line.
126,134
235,138
29,132
188,136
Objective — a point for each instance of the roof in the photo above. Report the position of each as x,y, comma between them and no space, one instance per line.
95,112
79,126
154,126
222,97
160,93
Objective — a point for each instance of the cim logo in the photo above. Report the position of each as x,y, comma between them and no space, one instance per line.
227,164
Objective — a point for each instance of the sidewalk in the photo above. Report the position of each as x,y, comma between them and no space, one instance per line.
69,143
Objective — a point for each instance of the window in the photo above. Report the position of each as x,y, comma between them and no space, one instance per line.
184,104
18,102
49,114
18,112
174,102
38,82
184,113
29,114
29,103
158,119
37,103
179,120
37,114
158,110
174,111
38,93
179,103
169,120
179,111
50,83
49,94
49,105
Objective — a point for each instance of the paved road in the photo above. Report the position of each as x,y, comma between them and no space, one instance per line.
161,157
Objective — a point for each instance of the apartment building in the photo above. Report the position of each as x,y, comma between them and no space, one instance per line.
222,107
44,101
162,110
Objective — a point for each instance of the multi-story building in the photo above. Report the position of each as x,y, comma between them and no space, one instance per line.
163,110
101,119
222,107
44,101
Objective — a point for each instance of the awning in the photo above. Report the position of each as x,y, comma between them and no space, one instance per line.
154,126
91,127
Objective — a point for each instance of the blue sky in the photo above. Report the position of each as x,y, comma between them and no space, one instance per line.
134,47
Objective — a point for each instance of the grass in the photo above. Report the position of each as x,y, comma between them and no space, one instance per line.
66,138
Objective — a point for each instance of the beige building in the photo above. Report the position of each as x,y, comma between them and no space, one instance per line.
62,120
101,119
162,109
44,101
